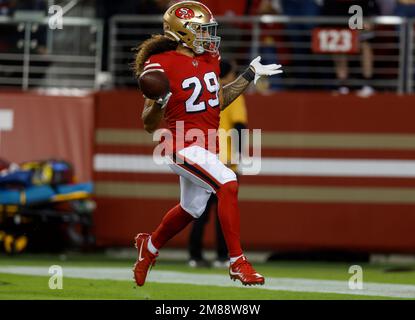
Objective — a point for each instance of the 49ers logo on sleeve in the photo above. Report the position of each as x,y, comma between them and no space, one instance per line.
185,13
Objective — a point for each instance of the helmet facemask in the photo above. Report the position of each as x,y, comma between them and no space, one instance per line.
206,39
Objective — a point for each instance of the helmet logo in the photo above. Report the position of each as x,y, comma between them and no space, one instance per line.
185,13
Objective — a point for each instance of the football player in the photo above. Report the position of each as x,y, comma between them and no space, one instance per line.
234,117
188,54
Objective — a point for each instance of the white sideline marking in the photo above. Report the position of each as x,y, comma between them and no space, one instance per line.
275,284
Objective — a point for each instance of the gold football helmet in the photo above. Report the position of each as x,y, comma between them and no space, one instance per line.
192,24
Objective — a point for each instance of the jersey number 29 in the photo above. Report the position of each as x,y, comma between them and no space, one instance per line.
193,104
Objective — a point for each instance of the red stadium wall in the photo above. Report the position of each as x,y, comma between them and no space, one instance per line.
49,127
367,201
367,210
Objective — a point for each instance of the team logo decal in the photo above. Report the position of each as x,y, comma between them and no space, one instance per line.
185,13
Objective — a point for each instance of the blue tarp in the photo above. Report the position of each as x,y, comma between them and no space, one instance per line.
41,194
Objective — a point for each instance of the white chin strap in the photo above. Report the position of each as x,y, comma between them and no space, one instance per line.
197,50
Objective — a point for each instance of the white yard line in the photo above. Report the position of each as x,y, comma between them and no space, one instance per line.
275,284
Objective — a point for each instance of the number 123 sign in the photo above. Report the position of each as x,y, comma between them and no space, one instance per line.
332,40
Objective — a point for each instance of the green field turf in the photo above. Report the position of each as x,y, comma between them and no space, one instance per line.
14,286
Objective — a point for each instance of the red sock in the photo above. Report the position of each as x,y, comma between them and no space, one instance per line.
173,222
228,212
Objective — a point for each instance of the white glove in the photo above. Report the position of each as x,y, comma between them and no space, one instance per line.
264,70
163,101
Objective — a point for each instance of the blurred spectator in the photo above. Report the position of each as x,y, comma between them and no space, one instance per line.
237,8
107,8
386,7
232,7
234,117
300,33
38,36
6,7
341,8
12,37
405,8
269,39
297,35
299,7
40,5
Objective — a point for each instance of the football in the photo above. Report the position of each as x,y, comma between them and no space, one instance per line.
154,84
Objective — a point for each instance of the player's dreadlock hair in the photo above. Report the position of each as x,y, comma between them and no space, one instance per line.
156,44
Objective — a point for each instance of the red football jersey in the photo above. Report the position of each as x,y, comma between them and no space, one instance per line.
194,104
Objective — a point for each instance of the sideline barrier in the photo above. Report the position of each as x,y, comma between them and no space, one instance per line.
338,172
